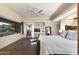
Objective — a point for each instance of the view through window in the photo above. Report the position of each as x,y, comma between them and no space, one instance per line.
9,28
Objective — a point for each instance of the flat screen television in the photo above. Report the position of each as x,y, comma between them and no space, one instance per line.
36,30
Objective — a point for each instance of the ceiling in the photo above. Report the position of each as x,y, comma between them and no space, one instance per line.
64,8
34,9
39,10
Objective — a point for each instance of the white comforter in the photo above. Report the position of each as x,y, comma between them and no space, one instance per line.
57,45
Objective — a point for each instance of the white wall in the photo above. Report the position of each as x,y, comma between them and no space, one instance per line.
6,40
48,23
55,28
9,14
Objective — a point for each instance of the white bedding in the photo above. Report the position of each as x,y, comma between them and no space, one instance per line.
57,45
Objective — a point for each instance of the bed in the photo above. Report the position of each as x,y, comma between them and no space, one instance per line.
58,45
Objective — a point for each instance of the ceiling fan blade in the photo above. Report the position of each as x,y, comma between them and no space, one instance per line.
40,11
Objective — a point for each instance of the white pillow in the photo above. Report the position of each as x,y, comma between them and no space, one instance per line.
72,35
63,34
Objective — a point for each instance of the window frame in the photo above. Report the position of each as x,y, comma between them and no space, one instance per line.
16,24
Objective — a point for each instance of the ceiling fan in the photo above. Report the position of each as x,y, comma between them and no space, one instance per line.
37,12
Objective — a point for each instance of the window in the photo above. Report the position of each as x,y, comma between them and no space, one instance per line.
8,27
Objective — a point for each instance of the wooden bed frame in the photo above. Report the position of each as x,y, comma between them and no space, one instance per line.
78,27
38,47
68,27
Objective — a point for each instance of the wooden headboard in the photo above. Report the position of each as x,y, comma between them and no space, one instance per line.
68,27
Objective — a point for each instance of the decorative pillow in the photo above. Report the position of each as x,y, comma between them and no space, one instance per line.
63,34
72,35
